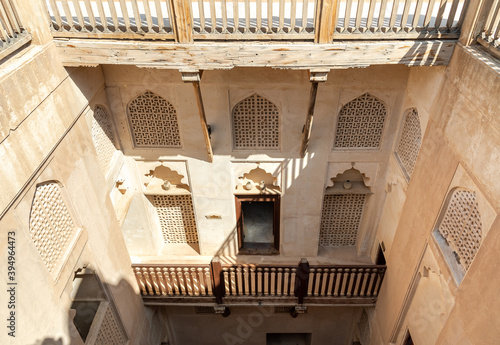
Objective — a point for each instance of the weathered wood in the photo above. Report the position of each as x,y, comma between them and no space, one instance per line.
306,131
203,120
209,56
326,20
302,280
183,26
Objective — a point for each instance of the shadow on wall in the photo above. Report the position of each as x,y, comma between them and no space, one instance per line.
93,316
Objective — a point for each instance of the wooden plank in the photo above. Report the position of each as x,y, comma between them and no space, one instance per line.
381,16
326,21
359,15
159,15
304,15
213,16
67,13
270,15
90,14
102,15
147,12
131,35
57,15
416,15
6,23
453,12
14,20
347,17
394,13
203,121
183,21
247,16
406,11
440,13
428,14
114,16
227,55
79,15
236,17
201,11
293,13
281,15
306,131
137,16
371,12
259,15
224,16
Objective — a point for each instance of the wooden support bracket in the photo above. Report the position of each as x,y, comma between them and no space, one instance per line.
315,76
194,76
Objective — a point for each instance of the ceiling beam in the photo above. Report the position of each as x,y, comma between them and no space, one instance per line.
227,55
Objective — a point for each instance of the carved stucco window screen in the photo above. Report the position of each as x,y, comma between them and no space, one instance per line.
409,143
256,124
103,137
153,122
459,232
343,206
51,226
360,123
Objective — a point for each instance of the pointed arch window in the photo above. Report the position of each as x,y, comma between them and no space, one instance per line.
153,122
256,124
409,143
361,123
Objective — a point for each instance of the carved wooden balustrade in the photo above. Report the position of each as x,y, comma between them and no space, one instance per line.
250,283
12,33
188,20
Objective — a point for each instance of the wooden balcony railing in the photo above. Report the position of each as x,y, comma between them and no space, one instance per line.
240,283
188,20
490,32
12,33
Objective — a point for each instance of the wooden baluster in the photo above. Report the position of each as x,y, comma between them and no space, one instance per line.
416,15
201,11
173,276
149,284
79,15
195,282
201,281
258,7
373,276
223,6
147,12
208,282
170,15
352,276
359,16
252,276
162,288
465,7
159,16
311,282
272,289
371,12
266,281
57,15
269,15
359,277
182,284
8,30
239,277
406,11
428,14
259,281
67,13
114,16
140,281
137,16
234,289
213,17
439,17
394,13
330,281
489,24
247,16
90,14
338,279
246,279
226,282
236,17
293,276
317,282
279,282
168,282
344,282
381,17
378,278
188,283
453,12
304,15
347,18
102,15
323,283
286,281
293,15
281,16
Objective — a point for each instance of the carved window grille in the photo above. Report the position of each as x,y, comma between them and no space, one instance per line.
111,331
103,138
340,219
256,124
364,329
360,123
51,227
153,122
409,143
177,220
461,226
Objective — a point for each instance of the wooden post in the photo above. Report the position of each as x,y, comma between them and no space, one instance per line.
302,280
326,21
182,21
315,78
217,284
195,77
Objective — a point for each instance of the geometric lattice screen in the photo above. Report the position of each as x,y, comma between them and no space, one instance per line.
153,122
461,226
409,143
177,220
340,219
51,226
360,123
103,138
111,331
256,124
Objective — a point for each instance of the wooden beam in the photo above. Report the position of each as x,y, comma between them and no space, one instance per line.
194,77
211,55
326,20
315,78
182,20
